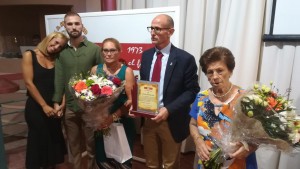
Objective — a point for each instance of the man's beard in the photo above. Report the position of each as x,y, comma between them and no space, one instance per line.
78,34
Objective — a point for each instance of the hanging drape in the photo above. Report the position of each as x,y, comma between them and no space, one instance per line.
279,62
239,26
234,24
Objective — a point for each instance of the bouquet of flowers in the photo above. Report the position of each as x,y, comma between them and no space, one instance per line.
262,116
265,117
95,94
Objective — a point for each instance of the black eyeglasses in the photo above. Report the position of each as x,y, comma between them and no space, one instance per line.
155,29
112,51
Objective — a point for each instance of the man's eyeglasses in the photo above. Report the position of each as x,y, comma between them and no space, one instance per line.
155,29
112,51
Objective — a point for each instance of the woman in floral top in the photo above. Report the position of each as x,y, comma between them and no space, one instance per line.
215,106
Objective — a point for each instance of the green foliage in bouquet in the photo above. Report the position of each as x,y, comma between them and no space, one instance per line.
215,159
265,105
262,116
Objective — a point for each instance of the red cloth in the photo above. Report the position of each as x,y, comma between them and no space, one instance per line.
12,76
157,67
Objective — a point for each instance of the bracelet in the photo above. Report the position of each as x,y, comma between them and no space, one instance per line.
115,117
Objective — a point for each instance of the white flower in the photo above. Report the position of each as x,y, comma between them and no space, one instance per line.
282,127
294,137
93,77
283,117
291,114
265,103
257,100
251,97
246,99
273,125
103,82
77,94
283,114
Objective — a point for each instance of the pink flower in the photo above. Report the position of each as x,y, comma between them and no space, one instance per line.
107,90
96,89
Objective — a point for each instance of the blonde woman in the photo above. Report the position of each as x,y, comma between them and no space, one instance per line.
45,142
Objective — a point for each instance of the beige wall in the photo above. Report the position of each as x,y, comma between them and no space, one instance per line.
93,5
10,65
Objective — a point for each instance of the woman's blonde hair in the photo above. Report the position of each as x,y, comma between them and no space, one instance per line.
42,46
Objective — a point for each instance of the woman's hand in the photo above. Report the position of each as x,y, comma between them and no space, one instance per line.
49,111
243,150
107,122
202,149
59,110
131,114
128,103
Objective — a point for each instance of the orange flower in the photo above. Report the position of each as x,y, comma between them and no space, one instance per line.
273,103
80,86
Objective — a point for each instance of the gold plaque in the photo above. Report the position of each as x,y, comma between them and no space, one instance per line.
145,98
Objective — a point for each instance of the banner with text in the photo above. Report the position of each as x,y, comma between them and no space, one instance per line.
129,27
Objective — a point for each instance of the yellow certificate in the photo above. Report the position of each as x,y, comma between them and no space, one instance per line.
147,100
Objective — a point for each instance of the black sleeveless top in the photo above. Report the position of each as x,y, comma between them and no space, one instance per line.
43,79
45,138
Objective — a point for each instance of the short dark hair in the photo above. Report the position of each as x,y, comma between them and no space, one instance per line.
217,54
71,13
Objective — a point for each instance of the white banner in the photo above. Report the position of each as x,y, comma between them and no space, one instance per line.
127,26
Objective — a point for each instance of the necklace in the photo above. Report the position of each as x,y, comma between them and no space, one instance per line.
212,91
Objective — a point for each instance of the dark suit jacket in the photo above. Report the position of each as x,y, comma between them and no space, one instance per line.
180,88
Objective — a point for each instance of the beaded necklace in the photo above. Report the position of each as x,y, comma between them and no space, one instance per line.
217,96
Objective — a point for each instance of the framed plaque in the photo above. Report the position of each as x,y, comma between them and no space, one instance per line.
145,98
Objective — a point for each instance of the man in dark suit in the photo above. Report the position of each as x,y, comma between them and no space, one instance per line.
178,82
